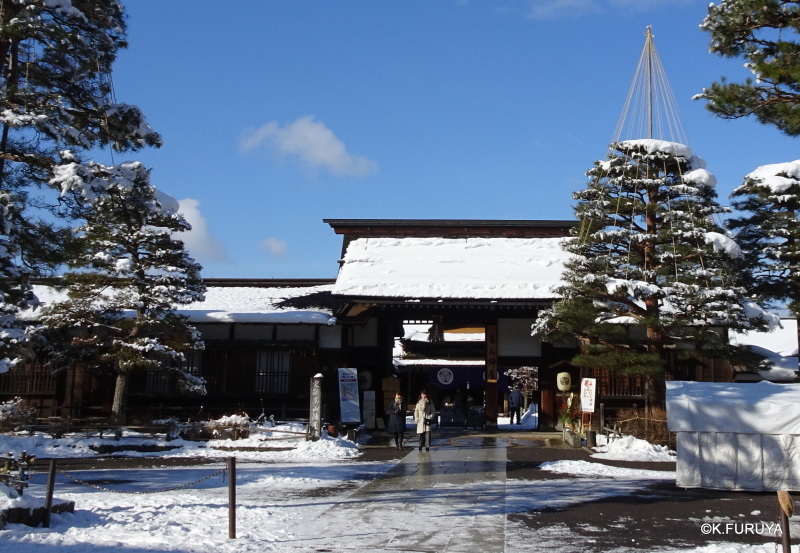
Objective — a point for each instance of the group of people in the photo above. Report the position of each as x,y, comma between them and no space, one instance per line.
424,414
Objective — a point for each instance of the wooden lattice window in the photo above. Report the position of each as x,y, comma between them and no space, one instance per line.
273,372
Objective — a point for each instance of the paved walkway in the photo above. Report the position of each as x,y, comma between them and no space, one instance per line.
448,500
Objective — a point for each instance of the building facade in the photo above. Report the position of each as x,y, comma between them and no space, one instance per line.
440,305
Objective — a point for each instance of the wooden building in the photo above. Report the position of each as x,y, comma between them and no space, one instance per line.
441,305
260,353
491,277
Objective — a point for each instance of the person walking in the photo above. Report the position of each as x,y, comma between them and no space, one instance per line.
397,420
515,404
424,413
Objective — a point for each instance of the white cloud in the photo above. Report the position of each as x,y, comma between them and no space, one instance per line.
312,143
554,9
201,244
275,246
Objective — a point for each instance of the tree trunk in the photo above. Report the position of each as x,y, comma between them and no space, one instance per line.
120,398
653,393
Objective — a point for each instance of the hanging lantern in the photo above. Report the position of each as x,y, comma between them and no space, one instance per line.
564,381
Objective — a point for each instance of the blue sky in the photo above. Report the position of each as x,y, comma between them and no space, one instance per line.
276,115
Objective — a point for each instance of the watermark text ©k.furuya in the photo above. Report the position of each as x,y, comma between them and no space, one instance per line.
741,528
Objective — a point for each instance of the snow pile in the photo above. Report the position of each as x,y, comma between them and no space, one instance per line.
10,499
326,448
629,448
283,443
43,446
234,420
598,470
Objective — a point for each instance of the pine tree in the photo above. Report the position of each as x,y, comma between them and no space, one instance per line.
651,270
15,291
131,275
767,228
764,33
56,100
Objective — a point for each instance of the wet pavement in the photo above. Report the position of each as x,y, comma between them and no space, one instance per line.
485,491
451,499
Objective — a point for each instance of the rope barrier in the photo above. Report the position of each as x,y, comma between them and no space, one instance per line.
174,488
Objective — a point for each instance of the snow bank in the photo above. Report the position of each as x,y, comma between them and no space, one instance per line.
629,448
599,470
282,443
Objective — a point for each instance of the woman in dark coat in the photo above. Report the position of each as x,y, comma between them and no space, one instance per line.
397,419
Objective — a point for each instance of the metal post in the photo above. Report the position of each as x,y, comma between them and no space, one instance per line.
783,507
231,498
48,502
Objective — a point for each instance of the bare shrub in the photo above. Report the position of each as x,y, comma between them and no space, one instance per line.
635,422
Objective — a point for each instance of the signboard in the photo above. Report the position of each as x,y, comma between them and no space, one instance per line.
348,395
588,392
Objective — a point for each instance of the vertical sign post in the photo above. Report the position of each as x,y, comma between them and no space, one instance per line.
348,396
315,409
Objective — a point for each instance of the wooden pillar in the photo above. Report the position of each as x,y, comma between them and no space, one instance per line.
491,375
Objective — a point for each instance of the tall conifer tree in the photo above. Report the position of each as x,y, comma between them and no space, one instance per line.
767,227
651,270
130,276
56,101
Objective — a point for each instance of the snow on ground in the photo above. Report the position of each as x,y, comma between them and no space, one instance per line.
283,497
114,511
265,444
530,420
628,448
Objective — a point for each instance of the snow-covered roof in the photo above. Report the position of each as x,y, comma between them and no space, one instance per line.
256,305
753,408
778,347
452,268
236,304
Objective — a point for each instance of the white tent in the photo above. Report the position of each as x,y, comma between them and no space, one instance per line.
736,436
